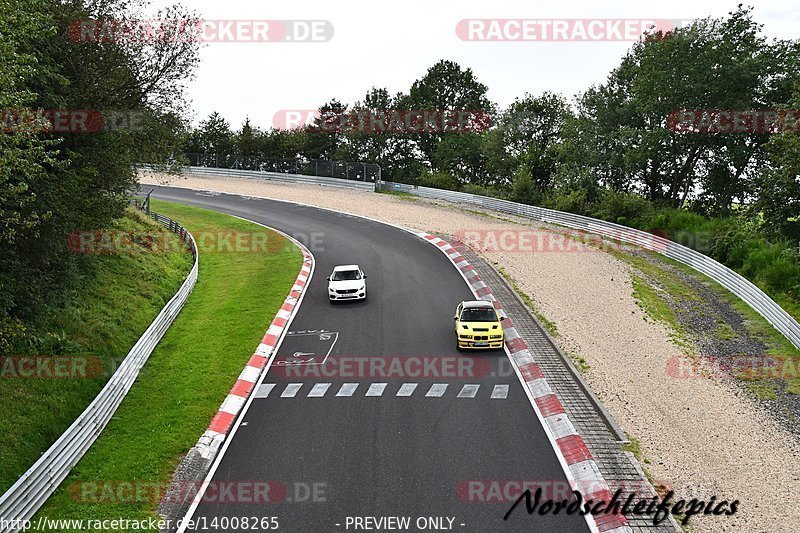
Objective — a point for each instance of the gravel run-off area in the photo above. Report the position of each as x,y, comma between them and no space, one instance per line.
702,437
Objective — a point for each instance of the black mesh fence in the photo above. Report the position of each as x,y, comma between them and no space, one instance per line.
349,170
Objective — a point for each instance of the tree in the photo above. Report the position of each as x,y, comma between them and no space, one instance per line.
528,133
778,186
324,135
215,136
246,139
56,182
365,135
712,64
446,87
460,155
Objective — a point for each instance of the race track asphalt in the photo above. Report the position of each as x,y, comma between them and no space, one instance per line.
368,410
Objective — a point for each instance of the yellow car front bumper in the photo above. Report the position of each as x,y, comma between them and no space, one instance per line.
480,344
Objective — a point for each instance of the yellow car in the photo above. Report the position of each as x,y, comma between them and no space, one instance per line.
477,325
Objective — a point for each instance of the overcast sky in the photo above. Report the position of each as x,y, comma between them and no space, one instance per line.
389,45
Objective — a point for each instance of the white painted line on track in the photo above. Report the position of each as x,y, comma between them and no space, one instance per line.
469,391
500,392
436,390
407,389
348,389
376,389
589,520
319,390
264,390
291,390
259,376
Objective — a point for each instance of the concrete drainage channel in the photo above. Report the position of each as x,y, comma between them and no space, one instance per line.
601,435
593,423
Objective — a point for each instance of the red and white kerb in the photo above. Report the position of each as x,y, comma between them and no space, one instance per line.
583,469
221,424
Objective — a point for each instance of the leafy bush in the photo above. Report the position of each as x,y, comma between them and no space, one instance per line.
523,189
575,201
695,231
440,180
624,208
774,265
738,242
13,332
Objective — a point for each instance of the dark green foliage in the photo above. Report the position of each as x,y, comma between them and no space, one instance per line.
53,183
613,153
439,180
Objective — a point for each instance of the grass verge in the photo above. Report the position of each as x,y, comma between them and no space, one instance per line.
757,326
402,195
115,299
186,377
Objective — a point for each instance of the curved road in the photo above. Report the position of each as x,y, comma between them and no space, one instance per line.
413,439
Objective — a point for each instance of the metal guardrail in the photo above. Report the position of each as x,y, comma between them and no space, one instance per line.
28,494
738,285
280,176
357,170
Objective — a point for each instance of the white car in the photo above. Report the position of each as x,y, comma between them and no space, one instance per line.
347,282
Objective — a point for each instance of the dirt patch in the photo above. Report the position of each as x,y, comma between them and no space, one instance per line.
702,437
725,346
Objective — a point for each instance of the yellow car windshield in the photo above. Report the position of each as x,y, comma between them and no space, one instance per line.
478,314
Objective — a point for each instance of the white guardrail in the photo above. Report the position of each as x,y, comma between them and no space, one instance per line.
31,490
279,176
738,285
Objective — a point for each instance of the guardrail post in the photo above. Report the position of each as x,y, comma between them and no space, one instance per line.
24,498
729,279
146,204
